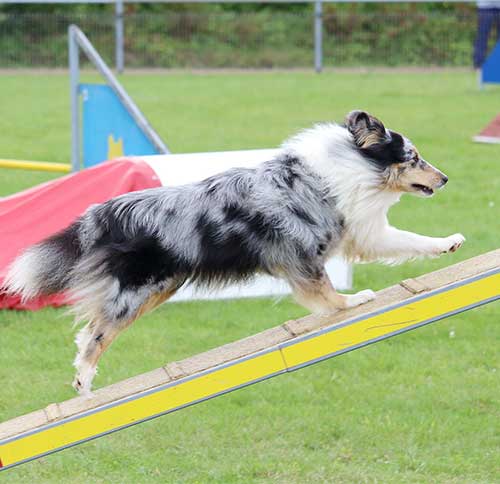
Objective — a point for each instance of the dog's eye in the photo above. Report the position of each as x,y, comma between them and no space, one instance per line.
414,163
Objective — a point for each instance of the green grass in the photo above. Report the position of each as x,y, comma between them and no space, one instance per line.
422,407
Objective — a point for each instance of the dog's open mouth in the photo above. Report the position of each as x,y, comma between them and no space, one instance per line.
428,191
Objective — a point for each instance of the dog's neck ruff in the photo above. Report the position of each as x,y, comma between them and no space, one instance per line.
358,187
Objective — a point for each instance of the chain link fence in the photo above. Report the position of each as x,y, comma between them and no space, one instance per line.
260,39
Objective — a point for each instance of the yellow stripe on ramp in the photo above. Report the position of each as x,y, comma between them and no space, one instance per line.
388,322
277,359
139,409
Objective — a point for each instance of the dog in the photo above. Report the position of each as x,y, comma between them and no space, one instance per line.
326,193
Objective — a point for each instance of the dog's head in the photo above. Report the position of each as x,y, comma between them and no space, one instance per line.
401,166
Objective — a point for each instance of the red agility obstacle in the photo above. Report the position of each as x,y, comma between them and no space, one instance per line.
490,134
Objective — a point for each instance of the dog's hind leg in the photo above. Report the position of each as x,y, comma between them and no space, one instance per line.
93,340
319,296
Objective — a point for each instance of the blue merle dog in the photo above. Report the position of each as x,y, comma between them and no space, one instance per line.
326,193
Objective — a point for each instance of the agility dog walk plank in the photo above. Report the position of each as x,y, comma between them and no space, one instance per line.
291,346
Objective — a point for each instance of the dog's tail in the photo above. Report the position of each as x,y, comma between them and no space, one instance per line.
45,268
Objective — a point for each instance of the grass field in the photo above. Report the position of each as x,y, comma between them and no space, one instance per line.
419,408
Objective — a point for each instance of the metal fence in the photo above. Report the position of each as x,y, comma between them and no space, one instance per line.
258,39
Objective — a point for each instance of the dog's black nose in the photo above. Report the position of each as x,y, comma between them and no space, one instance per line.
444,180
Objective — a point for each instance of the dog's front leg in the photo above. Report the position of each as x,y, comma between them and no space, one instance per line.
319,296
399,244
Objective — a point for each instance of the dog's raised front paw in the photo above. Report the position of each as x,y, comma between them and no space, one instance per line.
452,243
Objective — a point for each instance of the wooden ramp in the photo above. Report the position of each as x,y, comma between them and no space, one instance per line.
291,346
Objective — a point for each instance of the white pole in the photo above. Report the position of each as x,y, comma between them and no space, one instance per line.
318,36
119,36
74,63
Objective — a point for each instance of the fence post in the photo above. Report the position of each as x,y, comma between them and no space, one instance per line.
119,55
74,65
318,36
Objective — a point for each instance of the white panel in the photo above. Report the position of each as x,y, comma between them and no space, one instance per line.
179,169
338,270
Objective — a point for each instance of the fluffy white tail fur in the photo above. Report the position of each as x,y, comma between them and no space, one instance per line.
25,274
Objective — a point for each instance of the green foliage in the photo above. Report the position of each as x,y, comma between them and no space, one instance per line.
246,35
398,39
418,408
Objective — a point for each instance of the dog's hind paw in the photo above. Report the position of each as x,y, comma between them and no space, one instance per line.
359,298
77,384
82,391
82,385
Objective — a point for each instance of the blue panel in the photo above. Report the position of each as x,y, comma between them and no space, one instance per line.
491,68
108,129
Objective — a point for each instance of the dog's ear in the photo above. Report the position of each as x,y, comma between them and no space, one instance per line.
366,129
